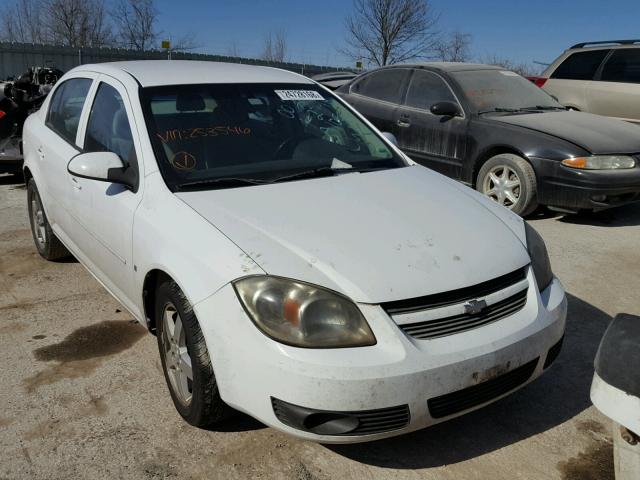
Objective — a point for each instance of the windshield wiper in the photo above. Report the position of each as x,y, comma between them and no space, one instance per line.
499,110
223,182
323,172
542,107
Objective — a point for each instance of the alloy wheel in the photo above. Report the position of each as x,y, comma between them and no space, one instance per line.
38,219
176,356
502,184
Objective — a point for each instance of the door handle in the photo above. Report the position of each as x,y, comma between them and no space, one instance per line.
404,123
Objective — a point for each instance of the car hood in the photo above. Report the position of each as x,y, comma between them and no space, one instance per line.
595,133
375,237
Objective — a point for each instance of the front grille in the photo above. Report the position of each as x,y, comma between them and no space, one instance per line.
368,421
465,321
470,397
375,421
455,296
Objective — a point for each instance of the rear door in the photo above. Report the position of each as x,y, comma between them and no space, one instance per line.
377,96
616,91
58,144
434,141
569,81
106,210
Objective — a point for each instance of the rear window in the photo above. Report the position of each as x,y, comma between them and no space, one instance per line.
66,106
622,66
384,85
580,65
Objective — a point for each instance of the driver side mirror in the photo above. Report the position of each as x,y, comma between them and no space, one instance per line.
445,109
103,167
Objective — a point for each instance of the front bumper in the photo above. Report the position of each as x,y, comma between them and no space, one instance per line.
575,189
254,372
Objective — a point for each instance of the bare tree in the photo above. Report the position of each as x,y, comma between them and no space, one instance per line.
233,49
275,46
23,22
135,21
521,68
390,31
186,42
77,23
455,48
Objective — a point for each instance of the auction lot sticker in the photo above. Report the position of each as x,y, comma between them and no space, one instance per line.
299,95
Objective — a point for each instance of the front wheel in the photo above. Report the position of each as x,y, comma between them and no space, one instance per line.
509,180
185,359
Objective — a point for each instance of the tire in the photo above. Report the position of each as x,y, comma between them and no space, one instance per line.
48,245
519,190
197,399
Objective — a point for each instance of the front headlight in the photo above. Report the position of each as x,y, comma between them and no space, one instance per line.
601,162
303,315
539,257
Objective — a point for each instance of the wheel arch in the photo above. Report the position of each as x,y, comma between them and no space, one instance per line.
152,281
26,173
489,153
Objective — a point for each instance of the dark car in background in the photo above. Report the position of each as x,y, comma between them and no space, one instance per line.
333,80
497,132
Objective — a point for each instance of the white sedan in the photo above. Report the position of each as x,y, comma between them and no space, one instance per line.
291,261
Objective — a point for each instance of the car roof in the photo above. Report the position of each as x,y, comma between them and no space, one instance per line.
154,73
607,44
448,66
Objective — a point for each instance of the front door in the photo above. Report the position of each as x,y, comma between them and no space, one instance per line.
106,210
437,142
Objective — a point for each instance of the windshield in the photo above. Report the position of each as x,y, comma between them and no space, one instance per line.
221,135
490,90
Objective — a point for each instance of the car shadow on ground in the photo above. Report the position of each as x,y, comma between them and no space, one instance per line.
627,215
559,395
237,422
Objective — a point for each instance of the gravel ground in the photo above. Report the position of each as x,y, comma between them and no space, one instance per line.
82,394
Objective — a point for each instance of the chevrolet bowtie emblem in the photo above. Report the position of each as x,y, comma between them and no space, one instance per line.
473,307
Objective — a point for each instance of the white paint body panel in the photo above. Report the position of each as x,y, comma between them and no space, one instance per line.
624,410
616,404
376,237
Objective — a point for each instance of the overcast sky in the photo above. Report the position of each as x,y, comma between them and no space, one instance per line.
523,31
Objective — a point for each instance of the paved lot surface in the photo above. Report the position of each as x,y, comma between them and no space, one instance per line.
82,394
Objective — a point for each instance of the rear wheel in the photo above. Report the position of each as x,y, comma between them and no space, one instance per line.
509,180
185,359
46,241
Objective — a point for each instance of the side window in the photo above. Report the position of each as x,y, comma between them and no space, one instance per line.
623,66
580,65
65,108
427,88
383,85
108,129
